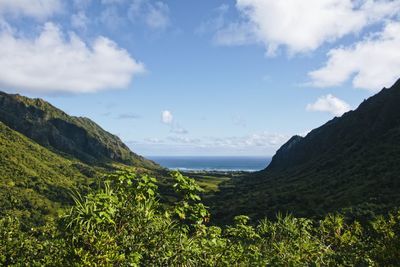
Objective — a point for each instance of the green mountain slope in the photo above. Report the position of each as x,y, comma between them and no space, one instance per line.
351,163
35,182
46,154
77,137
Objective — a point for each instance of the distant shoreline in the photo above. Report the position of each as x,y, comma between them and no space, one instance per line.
215,171
213,164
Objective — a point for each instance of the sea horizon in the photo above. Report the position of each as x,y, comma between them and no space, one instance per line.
213,163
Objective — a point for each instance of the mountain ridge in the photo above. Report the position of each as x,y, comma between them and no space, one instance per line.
352,121
78,137
47,154
350,164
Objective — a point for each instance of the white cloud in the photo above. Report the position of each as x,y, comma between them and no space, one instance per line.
158,16
331,104
81,4
57,64
263,139
235,34
371,63
263,143
167,117
5,26
112,18
79,20
154,14
177,129
215,22
184,140
154,140
39,9
302,26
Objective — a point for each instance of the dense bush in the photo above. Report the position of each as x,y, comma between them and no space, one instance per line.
122,223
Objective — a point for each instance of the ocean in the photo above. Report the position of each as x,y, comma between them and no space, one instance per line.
208,163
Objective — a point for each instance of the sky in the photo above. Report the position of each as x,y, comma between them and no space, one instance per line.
209,77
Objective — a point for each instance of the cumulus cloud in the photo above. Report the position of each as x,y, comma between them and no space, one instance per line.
51,63
167,117
39,9
371,63
302,26
154,14
331,104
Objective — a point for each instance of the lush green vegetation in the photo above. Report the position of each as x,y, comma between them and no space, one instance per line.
340,182
351,164
35,182
75,137
210,181
122,223
46,154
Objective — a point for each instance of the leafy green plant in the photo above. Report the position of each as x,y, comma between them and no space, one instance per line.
189,208
122,223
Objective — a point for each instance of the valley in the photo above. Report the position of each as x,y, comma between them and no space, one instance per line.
63,172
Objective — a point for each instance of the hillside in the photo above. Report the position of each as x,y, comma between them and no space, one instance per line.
74,137
35,182
350,164
47,154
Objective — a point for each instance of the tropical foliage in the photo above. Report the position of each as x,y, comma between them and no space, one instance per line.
122,222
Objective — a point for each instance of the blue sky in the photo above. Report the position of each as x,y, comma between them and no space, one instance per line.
207,77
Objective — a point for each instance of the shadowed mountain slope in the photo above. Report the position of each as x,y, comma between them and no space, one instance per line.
350,164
